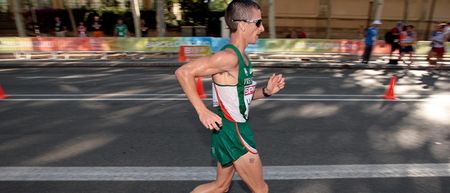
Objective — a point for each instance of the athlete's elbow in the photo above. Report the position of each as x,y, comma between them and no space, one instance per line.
180,73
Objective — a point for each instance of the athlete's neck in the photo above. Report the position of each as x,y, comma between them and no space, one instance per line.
239,42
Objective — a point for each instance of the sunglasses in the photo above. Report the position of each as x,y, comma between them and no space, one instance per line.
257,22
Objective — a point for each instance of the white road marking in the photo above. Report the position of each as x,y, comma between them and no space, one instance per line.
361,95
209,99
96,99
90,95
181,94
181,97
298,172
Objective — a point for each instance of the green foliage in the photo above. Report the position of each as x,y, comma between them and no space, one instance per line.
218,5
194,11
112,9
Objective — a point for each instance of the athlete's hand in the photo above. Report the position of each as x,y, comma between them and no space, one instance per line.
210,120
275,84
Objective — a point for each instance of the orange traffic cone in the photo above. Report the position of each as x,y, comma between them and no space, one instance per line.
200,90
2,93
390,91
181,54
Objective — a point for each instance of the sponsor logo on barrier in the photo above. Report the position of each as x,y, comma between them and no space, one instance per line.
189,53
173,45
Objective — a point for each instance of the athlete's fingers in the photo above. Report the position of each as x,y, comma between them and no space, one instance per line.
279,82
206,125
211,127
214,126
219,122
271,78
279,78
272,81
216,120
275,77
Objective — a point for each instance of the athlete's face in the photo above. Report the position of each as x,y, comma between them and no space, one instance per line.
254,26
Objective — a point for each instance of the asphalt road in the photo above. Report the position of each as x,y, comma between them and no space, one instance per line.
86,130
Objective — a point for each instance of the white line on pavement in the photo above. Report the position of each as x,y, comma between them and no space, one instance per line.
362,95
96,99
208,99
181,97
181,94
91,95
208,173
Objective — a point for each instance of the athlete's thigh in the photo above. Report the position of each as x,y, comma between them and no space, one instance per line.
250,170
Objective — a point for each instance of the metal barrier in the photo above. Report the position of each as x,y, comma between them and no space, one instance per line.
167,47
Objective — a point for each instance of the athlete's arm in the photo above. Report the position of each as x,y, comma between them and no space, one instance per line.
274,85
223,61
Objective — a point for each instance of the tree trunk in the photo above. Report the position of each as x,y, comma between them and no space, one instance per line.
378,9
430,19
34,4
20,25
72,19
370,13
406,11
160,19
328,23
136,17
272,31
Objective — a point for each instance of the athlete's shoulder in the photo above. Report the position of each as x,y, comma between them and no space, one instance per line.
226,57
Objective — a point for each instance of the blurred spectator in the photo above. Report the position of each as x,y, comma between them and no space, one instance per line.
438,39
82,30
408,38
292,34
370,40
392,38
447,31
296,34
144,28
301,33
96,27
36,30
361,32
120,29
59,27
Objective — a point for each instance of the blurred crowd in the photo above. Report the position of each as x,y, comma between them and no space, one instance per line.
92,28
402,39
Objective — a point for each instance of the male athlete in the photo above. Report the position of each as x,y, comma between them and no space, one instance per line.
232,141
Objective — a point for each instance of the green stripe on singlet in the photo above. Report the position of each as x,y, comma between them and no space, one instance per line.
241,78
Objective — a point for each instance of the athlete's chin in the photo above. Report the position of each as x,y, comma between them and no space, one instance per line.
253,41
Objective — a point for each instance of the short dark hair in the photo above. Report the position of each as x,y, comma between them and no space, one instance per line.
239,9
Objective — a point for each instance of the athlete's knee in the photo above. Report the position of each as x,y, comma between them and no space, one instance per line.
214,187
264,188
224,187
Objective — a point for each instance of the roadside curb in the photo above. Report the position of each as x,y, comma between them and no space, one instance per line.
174,63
